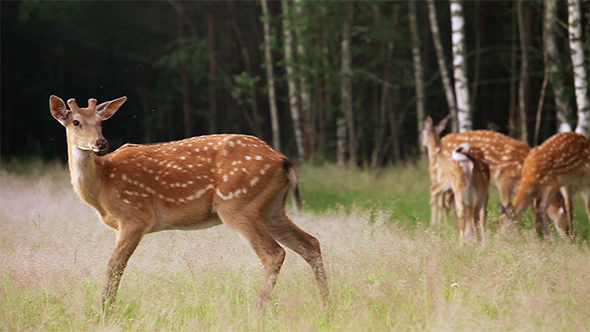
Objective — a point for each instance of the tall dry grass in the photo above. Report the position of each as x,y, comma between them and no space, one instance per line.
382,274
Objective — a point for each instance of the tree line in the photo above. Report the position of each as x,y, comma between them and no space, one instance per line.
321,81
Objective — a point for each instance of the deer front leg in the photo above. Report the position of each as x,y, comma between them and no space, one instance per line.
567,193
127,241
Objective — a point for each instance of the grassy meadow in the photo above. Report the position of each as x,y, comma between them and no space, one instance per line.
388,271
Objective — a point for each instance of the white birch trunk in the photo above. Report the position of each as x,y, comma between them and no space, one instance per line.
464,113
272,99
551,52
580,74
442,65
418,70
291,81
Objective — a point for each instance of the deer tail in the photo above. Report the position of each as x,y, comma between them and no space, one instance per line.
293,176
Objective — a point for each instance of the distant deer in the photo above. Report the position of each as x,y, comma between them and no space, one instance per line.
194,183
504,155
470,176
562,161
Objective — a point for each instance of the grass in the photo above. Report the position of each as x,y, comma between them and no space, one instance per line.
387,269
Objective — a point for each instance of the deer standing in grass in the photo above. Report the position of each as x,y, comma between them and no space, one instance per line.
194,183
562,161
504,155
470,177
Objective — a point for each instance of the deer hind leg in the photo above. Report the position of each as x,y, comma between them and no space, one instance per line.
482,213
433,210
127,240
540,213
286,232
271,254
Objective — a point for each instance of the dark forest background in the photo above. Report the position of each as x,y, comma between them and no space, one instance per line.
193,68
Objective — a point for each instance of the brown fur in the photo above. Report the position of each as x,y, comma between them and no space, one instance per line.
193,183
562,161
504,155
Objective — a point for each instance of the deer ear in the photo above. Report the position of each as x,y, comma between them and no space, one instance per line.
58,109
428,122
442,124
109,108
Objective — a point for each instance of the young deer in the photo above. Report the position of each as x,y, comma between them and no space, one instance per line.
470,176
562,161
194,183
504,155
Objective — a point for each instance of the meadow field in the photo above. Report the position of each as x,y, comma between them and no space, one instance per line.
388,270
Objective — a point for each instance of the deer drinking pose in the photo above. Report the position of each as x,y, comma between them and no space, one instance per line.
194,183
504,155
562,161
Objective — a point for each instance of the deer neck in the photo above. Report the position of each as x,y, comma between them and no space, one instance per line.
433,147
84,174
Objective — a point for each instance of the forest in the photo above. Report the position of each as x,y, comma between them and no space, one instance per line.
320,81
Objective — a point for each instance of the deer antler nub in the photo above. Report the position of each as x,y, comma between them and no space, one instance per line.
72,103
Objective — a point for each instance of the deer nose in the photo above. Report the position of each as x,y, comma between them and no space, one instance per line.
102,143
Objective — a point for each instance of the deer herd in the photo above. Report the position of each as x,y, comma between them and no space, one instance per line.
240,181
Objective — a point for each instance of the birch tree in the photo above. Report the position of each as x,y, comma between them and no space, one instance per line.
272,99
346,80
552,65
580,74
418,70
464,113
289,64
442,65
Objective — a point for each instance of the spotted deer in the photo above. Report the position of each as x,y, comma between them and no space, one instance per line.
504,155
193,183
562,161
470,177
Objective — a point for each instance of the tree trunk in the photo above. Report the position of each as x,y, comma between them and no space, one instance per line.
418,70
523,81
513,55
553,63
184,82
304,93
464,113
580,74
289,63
442,65
272,99
211,37
341,141
346,81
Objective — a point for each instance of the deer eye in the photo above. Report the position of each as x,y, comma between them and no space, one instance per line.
76,122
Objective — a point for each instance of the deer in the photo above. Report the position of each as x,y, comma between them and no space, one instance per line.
504,155
470,177
194,183
560,162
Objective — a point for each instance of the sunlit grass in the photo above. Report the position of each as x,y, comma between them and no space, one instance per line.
387,270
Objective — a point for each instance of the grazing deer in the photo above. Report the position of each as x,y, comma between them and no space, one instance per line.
194,183
470,176
562,161
504,155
